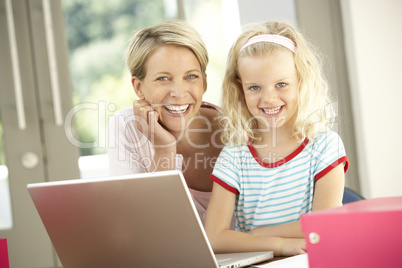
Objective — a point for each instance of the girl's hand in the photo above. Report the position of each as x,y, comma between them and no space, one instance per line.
146,120
293,246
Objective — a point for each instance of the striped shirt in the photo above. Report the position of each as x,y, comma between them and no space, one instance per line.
278,192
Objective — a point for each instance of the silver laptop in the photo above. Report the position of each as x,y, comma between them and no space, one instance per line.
141,220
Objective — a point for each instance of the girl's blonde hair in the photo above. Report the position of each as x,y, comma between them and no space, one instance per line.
314,106
172,32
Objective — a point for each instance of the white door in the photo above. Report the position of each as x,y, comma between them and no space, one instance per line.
34,99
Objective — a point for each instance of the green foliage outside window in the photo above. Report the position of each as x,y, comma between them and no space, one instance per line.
98,33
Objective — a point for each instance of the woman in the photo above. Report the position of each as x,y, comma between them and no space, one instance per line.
169,127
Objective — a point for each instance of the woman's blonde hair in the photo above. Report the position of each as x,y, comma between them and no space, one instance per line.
314,105
173,32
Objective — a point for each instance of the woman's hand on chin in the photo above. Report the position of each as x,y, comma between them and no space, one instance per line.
146,120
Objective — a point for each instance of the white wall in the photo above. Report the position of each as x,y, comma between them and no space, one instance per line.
373,43
252,11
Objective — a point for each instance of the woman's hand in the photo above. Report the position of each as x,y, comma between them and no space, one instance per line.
146,120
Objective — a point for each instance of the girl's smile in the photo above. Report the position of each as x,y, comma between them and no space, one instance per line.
275,111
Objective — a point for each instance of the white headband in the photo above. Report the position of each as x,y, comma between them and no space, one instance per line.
272,38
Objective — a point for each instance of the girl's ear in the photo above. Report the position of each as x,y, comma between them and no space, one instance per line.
137,87
239,83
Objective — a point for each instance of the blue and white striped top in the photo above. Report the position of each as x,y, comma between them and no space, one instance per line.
279,192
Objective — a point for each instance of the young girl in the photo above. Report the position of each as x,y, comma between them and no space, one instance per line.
280,160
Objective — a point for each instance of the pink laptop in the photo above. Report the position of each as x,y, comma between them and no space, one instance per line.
366,233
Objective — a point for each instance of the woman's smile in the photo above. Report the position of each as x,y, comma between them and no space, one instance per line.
177,109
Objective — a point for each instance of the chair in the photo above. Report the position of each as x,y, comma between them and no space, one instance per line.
350,196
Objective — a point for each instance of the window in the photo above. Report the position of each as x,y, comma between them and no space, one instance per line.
97,37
